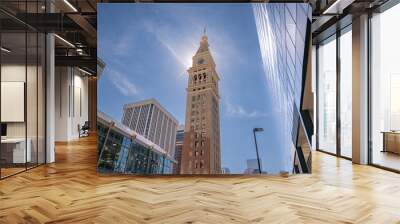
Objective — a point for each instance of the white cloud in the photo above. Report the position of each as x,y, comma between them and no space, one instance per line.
181,47
117,45
123,84
123,44
238,111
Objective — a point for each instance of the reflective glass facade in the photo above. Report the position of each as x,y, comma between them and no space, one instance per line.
282,33
121,152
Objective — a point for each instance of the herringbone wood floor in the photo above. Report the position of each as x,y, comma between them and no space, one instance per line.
70,191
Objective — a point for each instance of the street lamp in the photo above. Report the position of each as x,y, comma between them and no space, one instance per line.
255,142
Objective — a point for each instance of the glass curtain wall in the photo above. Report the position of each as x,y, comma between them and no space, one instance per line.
22,92
334,60
120,152
385,89
283,54
327,95
345,56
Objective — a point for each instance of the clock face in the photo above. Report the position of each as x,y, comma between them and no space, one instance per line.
200,61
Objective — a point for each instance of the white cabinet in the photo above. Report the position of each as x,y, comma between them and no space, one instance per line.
19,154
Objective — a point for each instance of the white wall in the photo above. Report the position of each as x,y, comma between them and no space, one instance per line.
16,73
71,94
33,126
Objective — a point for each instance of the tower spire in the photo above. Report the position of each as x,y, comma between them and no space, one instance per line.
203,42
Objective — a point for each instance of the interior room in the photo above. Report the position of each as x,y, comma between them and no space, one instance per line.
48,80
348,112
385,89
22,101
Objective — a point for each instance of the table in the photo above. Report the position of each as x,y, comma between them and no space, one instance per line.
391,141
13,150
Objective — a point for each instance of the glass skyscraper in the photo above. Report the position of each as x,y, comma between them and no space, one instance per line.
283,33
122,150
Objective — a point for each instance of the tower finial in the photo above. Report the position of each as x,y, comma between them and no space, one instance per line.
204,31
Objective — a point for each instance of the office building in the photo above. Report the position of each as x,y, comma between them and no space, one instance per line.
285,55
225,170
201,145
122,150
149,119
342,88
252,166
48,78
178,149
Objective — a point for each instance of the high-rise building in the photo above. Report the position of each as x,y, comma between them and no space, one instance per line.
201,146
252,166
150,120
225,170
285,56
178,149
122,150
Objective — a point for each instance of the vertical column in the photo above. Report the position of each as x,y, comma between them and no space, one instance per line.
92,98
50,92
50,99
360,90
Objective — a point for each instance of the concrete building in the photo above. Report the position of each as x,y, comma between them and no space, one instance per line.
201,146
178,149
149,119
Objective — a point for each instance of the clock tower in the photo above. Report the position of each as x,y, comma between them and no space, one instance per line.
201,152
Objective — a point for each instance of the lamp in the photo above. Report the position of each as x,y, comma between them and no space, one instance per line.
255,142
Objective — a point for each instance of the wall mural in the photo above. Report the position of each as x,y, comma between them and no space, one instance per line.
202,89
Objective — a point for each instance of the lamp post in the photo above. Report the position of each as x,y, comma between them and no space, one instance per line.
255,142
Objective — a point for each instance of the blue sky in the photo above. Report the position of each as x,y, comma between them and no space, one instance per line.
147,49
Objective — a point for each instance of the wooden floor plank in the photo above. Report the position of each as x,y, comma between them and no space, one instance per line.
70,191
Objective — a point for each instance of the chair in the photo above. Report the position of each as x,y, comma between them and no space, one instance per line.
84,130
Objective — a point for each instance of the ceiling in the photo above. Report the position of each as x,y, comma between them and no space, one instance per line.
73,21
